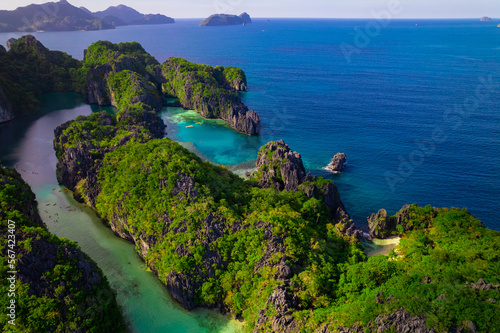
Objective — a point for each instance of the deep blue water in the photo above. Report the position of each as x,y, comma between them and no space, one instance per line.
400,98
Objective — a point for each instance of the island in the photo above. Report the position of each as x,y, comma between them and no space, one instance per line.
278,250
122,15
125,76
338,163
59,288
226,19
62,16
485,19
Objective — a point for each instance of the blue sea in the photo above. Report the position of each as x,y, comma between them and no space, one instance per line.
413,104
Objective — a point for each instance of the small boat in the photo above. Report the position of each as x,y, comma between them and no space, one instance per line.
200,123
189,126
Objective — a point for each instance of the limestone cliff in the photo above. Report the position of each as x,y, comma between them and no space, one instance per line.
6,113
206,90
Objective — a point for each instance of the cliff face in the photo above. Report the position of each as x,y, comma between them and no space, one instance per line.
122,75
383,226
29,70
6,113
281,168
54,276
205,90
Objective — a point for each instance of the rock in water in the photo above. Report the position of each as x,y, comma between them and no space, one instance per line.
338,162
225,19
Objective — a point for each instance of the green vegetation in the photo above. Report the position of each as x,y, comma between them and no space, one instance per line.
152,175
131,55
29,70
234,74
58,287
452,251
202,87
232,244
123,75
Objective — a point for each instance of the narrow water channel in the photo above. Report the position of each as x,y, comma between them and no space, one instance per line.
26,144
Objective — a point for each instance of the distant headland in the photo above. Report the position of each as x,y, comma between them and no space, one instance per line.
62,16
485,19
226,19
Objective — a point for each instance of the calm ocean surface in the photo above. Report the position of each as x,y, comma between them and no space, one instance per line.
396,108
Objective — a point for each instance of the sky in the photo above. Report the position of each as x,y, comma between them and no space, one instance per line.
294,8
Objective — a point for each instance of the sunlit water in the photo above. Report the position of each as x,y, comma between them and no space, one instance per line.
26,144
394,94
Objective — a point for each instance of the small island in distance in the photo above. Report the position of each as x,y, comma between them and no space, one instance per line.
485,19
226,19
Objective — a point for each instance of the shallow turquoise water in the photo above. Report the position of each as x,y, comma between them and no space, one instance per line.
26,144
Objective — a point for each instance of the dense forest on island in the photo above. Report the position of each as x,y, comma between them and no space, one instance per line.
278,249
275,251
123,75
58,287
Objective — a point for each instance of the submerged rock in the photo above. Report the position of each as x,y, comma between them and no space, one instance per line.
338,162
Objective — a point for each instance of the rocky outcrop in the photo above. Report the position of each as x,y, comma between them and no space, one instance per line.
485,19
400,321
6,113
79,163
226,19
51,16
283,303
205,89
482,285
382,226
338,162
281,168
97,89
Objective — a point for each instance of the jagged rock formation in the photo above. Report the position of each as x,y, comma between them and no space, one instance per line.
383,226
281,168
6,113
379,224
226,19
482,285
51,16
338,162
56,276
211,92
